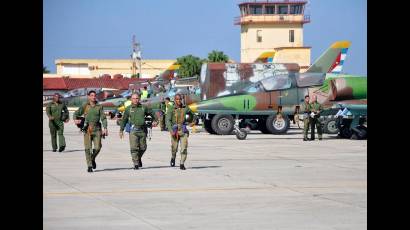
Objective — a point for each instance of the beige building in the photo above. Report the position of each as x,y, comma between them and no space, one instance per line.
86,68
272,31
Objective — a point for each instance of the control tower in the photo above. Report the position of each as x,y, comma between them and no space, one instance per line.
272,31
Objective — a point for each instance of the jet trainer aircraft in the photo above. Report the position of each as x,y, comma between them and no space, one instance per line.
282,90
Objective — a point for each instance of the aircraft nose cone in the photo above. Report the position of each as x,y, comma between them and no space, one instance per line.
193,107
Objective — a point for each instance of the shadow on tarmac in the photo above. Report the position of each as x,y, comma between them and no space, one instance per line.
65,151
204,167
73,150
156,167
111,169
295,138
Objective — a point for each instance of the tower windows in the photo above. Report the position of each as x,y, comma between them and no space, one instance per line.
283,9
255,9
270,9
296,9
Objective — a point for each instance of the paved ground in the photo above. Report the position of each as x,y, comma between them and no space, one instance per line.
263,182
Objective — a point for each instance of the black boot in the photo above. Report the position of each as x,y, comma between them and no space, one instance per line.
94,164
135,167
172,162
139,162
54,150
182,167
61,149
90,169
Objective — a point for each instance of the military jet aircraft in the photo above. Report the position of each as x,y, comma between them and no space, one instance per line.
274,89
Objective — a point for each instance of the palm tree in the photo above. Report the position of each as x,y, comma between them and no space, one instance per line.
190,66
217,56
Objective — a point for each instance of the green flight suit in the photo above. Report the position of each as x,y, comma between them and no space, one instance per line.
162,108
56,125
306,119
168,106
316,108
176,119
135,115
93,115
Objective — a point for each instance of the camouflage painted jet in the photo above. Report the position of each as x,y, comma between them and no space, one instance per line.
77,97
283,90
219,79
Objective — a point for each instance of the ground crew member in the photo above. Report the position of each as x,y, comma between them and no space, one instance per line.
315,108
135,114
168,104
144,93
306,117
162,112
93,113
57,113
176,125
168,107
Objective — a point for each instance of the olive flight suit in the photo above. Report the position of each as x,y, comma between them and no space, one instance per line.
306,119
162,108
93,115
315,107
135,115
176,124
57,111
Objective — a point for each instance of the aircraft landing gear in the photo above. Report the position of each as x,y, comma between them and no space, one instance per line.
240,133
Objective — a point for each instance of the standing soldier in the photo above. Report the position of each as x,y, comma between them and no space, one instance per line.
168,104
315,108
168,107
57,113
93,113
162,112
144,93
176,124
135,114
306,117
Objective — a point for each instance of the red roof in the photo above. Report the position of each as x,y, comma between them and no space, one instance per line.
62,83
54,83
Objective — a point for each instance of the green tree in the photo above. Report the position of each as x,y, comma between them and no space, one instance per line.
217,56
190,66
45,70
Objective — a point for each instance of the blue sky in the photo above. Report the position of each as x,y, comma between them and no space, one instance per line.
168,29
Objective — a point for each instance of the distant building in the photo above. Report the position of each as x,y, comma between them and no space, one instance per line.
272,31
88,68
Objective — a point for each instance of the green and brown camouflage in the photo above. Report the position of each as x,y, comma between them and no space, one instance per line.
264,98
257,91
286,91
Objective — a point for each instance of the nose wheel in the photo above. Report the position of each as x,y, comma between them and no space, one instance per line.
240,133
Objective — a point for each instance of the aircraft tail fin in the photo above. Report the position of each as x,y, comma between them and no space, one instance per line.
332,60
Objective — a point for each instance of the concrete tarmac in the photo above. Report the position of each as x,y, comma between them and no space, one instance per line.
263,182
